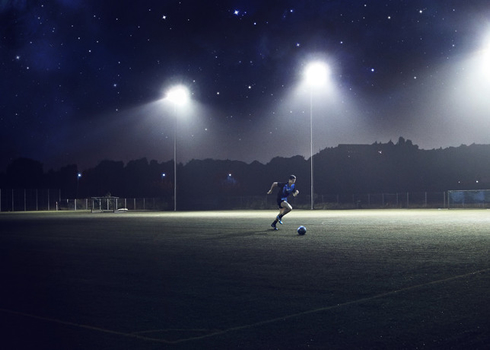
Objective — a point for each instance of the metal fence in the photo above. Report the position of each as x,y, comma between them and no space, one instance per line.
29,199
109,204
50,199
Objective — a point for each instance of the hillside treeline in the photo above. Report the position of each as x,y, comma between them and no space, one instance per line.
345,169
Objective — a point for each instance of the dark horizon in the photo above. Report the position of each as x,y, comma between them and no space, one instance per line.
94,163
390,167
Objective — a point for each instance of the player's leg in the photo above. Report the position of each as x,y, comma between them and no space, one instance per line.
285,208
278,220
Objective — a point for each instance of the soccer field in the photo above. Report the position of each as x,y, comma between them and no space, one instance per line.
358,279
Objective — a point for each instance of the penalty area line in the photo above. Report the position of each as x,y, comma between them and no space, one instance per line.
332,307
77,325
218,332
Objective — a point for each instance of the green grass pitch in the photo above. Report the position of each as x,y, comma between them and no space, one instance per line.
358,279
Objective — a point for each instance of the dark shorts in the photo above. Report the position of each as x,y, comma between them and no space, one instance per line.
280,200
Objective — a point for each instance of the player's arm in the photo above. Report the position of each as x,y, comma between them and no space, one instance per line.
274,185
295,193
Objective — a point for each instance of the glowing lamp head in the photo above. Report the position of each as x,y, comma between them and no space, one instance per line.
178,95
316,74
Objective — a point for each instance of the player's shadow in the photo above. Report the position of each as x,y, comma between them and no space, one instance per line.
237,235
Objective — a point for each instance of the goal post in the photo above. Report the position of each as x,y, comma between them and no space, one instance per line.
104,204
470,199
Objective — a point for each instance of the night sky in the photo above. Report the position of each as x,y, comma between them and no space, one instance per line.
84,80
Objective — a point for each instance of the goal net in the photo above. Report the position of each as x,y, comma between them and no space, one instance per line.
106,203
469,199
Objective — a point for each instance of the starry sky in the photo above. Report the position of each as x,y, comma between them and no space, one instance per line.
86,80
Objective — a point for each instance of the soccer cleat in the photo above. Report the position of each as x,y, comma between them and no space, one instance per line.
278,220
273,225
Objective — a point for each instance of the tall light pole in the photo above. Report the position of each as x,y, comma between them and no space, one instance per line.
79,175
178,96
315,76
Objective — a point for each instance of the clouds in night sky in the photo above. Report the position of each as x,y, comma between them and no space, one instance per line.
82,80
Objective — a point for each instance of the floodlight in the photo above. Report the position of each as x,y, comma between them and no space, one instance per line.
179,95
316,74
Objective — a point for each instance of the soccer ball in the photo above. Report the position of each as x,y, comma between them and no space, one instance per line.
301,230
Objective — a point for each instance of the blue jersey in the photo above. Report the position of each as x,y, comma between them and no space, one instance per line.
285,189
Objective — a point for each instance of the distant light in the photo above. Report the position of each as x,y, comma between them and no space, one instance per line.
79,175
163,175
178,95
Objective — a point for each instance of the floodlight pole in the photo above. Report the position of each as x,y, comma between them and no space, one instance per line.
175,161
311,150
315,75
178,95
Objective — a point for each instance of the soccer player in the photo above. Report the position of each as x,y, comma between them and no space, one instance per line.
285,189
